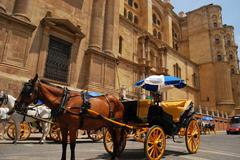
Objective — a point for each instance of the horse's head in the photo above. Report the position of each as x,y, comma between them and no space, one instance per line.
28,95
3,98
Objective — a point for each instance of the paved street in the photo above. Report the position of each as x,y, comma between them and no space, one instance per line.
213,147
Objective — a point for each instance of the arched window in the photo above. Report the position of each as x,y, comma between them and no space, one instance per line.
130,3
135,19
135,5
130,16
158,22
231,57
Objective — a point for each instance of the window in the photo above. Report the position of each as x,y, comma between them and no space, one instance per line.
58,60
214,20
219,58
158,22
125,12
159,35
130,16
177,70
120,44
231,57
176,46
130,3
228,43
232,70
135,19
194,79
217,39
135,5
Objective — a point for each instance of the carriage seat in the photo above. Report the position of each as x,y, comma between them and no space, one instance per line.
175,108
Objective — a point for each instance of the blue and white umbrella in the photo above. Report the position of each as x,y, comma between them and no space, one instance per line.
157,82
207,118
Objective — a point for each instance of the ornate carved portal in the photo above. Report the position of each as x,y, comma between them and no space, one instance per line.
59,51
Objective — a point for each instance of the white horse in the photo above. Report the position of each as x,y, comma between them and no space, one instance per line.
40,112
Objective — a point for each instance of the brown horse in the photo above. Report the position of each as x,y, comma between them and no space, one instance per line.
72,113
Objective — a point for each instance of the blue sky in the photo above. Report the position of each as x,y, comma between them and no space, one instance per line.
230,12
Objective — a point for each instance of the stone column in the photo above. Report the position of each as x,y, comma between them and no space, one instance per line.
168,30
22,9
3,6
111,27
97,25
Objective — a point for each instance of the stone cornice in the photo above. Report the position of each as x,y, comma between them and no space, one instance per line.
60,23
101,54
11,18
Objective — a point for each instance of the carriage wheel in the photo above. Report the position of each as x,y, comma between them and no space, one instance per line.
192,136
140,135
55,133
108,143
95,135
155,143
25,131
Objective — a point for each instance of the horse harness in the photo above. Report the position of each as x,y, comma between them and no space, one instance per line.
83,108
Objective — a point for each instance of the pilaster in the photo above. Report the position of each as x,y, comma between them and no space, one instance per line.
111,27
97,25
3,4
22,10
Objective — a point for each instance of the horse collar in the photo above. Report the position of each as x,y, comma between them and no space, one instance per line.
56,111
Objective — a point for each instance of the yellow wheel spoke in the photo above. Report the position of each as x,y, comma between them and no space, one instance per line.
150,148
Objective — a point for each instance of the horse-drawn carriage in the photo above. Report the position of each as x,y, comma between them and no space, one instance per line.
154,119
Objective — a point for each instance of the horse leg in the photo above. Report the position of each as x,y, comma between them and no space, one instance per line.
73,136
64,132
17,131
116,137
45,130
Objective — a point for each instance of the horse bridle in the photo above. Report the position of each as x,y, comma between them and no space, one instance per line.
27,90
4,99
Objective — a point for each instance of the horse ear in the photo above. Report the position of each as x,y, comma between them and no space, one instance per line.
35,78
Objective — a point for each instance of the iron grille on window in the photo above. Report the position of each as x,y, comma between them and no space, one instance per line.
58,60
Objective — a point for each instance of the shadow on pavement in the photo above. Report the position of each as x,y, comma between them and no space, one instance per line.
136,154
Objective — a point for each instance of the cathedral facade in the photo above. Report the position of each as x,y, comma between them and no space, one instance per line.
108,45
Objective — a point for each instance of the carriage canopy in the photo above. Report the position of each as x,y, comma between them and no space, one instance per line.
158,82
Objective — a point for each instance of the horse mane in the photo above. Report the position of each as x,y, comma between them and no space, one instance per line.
50,84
